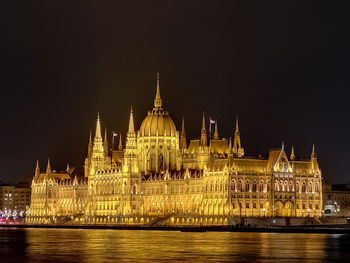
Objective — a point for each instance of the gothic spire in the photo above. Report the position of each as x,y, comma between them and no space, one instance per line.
313,154
203,133
183,143
237,138
105,143
158,99
314,163
292,155
98,127
131,130
237,147
216,133
237,128
48,168
37,168
203,124
120,146
90,147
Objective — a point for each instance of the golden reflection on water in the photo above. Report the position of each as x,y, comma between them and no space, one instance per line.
68,245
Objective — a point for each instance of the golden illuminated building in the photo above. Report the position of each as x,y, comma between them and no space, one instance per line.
157,179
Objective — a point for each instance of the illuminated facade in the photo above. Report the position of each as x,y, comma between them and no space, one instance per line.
157,179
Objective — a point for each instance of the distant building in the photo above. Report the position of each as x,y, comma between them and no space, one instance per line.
159,179
14,199
336,200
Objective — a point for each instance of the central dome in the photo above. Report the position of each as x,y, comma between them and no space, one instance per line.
158,121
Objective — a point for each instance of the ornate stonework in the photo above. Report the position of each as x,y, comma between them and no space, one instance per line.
158,180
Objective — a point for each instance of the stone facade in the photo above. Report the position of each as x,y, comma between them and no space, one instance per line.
157,179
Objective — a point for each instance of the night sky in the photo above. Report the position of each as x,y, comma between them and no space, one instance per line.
282,66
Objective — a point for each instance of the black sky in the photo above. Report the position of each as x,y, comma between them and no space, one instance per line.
282,66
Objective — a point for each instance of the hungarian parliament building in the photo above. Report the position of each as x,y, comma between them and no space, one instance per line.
158,178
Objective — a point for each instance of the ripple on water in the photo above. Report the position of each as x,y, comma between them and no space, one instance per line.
90,245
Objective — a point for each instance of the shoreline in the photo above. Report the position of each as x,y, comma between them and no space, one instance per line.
319,229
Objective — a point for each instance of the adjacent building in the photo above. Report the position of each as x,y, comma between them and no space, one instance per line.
157,178
14,199
336,200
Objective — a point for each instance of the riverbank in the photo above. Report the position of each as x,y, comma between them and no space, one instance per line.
319,229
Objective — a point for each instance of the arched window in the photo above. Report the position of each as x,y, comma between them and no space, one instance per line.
276,186
310,187
303,189
291,186
281,186
261,187
317,188
247,205
268,186
297,187
247,186
240,185
233,185
254,186
153,162
286,186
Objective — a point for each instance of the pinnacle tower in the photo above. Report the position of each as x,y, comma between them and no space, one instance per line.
48,167
37,168
105,143
120,146
216,133
292,155
131,131
237,147
98,127
203,133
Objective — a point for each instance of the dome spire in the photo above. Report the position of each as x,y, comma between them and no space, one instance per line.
158,99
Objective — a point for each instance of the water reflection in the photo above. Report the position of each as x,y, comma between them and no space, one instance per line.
67,245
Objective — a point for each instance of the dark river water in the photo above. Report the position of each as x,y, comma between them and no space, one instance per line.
73,245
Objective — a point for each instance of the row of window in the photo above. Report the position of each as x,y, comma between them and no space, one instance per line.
278,186
248,205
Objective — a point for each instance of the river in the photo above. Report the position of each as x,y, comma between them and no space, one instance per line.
94,245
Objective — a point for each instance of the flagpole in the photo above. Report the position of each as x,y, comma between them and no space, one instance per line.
210,127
